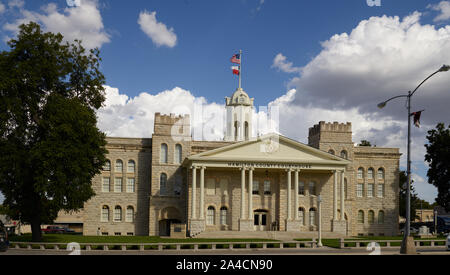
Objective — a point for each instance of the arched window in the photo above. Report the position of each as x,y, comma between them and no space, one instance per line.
119,166
381,217
344,154
163,157
371,217
312,216
130,214
301,188
105,214
381,174
360,173
131,166
312,188
370,174
163,184
301,215
210,215
178,154
107,165
236,130
360,216
118,214
223,215
331,151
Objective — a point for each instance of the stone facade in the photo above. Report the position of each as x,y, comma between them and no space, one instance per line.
163,193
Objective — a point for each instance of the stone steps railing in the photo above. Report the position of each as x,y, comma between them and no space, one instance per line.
165,246
388,243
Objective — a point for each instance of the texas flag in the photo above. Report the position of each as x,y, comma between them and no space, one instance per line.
417,118
236,59
236,70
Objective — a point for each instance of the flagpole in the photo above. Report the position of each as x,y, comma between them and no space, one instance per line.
240,68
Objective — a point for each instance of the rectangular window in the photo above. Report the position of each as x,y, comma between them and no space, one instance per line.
211,187
267,190
255,188
380,190
118,185
130,185
105,234
117,234
301,188
177,187
130,234
359,190
105,185
224,187
370,190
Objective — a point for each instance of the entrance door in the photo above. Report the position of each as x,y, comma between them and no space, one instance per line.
260,220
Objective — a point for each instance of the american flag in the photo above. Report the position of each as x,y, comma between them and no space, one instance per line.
236,59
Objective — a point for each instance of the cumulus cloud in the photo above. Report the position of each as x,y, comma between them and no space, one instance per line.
280,63
16,3
444,11
380,58
2,8
83,22
157,31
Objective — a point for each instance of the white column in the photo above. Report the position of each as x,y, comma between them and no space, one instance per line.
342,196
335,195
242,192
194,192
202,193
296,194
289,205
250,193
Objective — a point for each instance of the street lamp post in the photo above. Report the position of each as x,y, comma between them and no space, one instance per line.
408,246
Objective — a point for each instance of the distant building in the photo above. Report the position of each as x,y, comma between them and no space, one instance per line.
424,215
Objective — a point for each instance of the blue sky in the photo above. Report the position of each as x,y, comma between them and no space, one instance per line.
198,37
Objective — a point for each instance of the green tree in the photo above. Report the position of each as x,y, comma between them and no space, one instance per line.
50,146
438,157
415,201
365,143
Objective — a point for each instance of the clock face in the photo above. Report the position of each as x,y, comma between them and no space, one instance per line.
241,99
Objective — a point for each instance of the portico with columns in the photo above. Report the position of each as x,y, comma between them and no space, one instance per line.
266,184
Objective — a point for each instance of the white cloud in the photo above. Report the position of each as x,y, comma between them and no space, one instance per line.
157,31
16,3
444,11
78,22
280,63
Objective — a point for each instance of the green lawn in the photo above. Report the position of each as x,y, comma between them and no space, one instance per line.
61,238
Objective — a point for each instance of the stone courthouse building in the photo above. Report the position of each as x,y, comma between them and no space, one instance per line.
244,183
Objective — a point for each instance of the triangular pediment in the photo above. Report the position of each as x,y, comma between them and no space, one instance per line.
270,148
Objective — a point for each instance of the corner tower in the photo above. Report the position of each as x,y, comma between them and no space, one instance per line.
239,108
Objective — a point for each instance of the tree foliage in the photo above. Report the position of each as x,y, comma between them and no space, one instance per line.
365,143
50,146
438,157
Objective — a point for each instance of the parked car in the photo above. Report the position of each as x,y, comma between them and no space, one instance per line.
68,230
53,229
412,230
4,242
